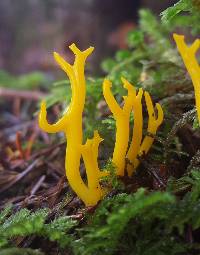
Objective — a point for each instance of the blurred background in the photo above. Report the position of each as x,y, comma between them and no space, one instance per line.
30,30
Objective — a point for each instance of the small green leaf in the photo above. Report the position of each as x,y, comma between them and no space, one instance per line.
121,55
171,12
135,38
108,64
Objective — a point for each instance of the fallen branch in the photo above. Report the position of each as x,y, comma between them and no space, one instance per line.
21,175
23,94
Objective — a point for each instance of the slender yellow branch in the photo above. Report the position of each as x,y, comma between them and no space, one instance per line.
51,128
67,68
122,117
137,132
188,54
153,125
110,100
90,154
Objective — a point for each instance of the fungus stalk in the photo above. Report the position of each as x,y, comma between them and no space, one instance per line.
188,54
153,125
71,125
122,117
137,132
132,102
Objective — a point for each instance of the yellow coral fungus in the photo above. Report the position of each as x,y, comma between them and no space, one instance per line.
71,125
153,125
122,117
188,54
132,102
137,132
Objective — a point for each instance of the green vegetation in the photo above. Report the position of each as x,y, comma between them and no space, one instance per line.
24,223
27,81
140,223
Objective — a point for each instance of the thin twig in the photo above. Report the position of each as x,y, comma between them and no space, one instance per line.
19,145
21,175
177,98
23,94
152,171
186,118
194,161
37,185
15,128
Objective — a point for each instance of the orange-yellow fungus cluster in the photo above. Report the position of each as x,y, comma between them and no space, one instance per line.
71,125
132,102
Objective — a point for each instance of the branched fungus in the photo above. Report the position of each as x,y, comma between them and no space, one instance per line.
71,125
188,54
122,117
153,125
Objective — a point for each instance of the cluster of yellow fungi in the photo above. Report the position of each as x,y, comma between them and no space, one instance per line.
124,150
132,103
71,125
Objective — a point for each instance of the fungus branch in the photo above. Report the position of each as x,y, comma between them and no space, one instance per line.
188,54
90,154
153,125
137,132
122,117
